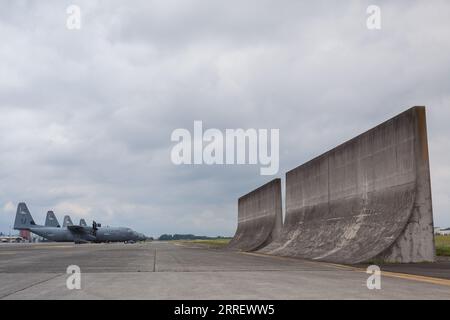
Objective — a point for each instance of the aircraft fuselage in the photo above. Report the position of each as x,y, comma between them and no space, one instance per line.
113,234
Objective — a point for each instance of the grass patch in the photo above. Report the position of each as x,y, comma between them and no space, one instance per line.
210,242
442,245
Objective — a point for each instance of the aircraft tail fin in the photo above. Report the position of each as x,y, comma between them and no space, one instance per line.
24,220
83,223
67,221
51,221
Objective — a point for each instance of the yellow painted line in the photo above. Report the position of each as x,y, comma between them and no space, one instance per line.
406,276
342,266
283,258
440,281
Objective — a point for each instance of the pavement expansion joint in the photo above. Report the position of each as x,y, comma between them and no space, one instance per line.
30,286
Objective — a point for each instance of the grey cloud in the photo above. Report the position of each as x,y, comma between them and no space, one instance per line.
86,116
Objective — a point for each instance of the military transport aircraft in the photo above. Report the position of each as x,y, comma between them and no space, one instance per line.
51,221
74,233
67,221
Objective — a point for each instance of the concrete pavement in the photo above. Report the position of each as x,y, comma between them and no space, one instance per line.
161,270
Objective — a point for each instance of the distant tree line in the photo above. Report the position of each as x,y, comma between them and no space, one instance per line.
166,237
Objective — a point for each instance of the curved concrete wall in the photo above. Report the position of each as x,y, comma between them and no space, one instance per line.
366,199
259,217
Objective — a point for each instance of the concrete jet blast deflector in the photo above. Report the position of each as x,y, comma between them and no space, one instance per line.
367,199
259,217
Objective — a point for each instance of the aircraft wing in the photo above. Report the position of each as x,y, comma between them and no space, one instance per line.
77,229
82,234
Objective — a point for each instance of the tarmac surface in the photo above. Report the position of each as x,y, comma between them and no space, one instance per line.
162,270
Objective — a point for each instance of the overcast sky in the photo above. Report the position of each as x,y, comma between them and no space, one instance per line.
86,115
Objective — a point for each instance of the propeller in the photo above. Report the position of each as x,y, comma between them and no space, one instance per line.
94,227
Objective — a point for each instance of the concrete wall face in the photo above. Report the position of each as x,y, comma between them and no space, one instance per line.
368,198
259,217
